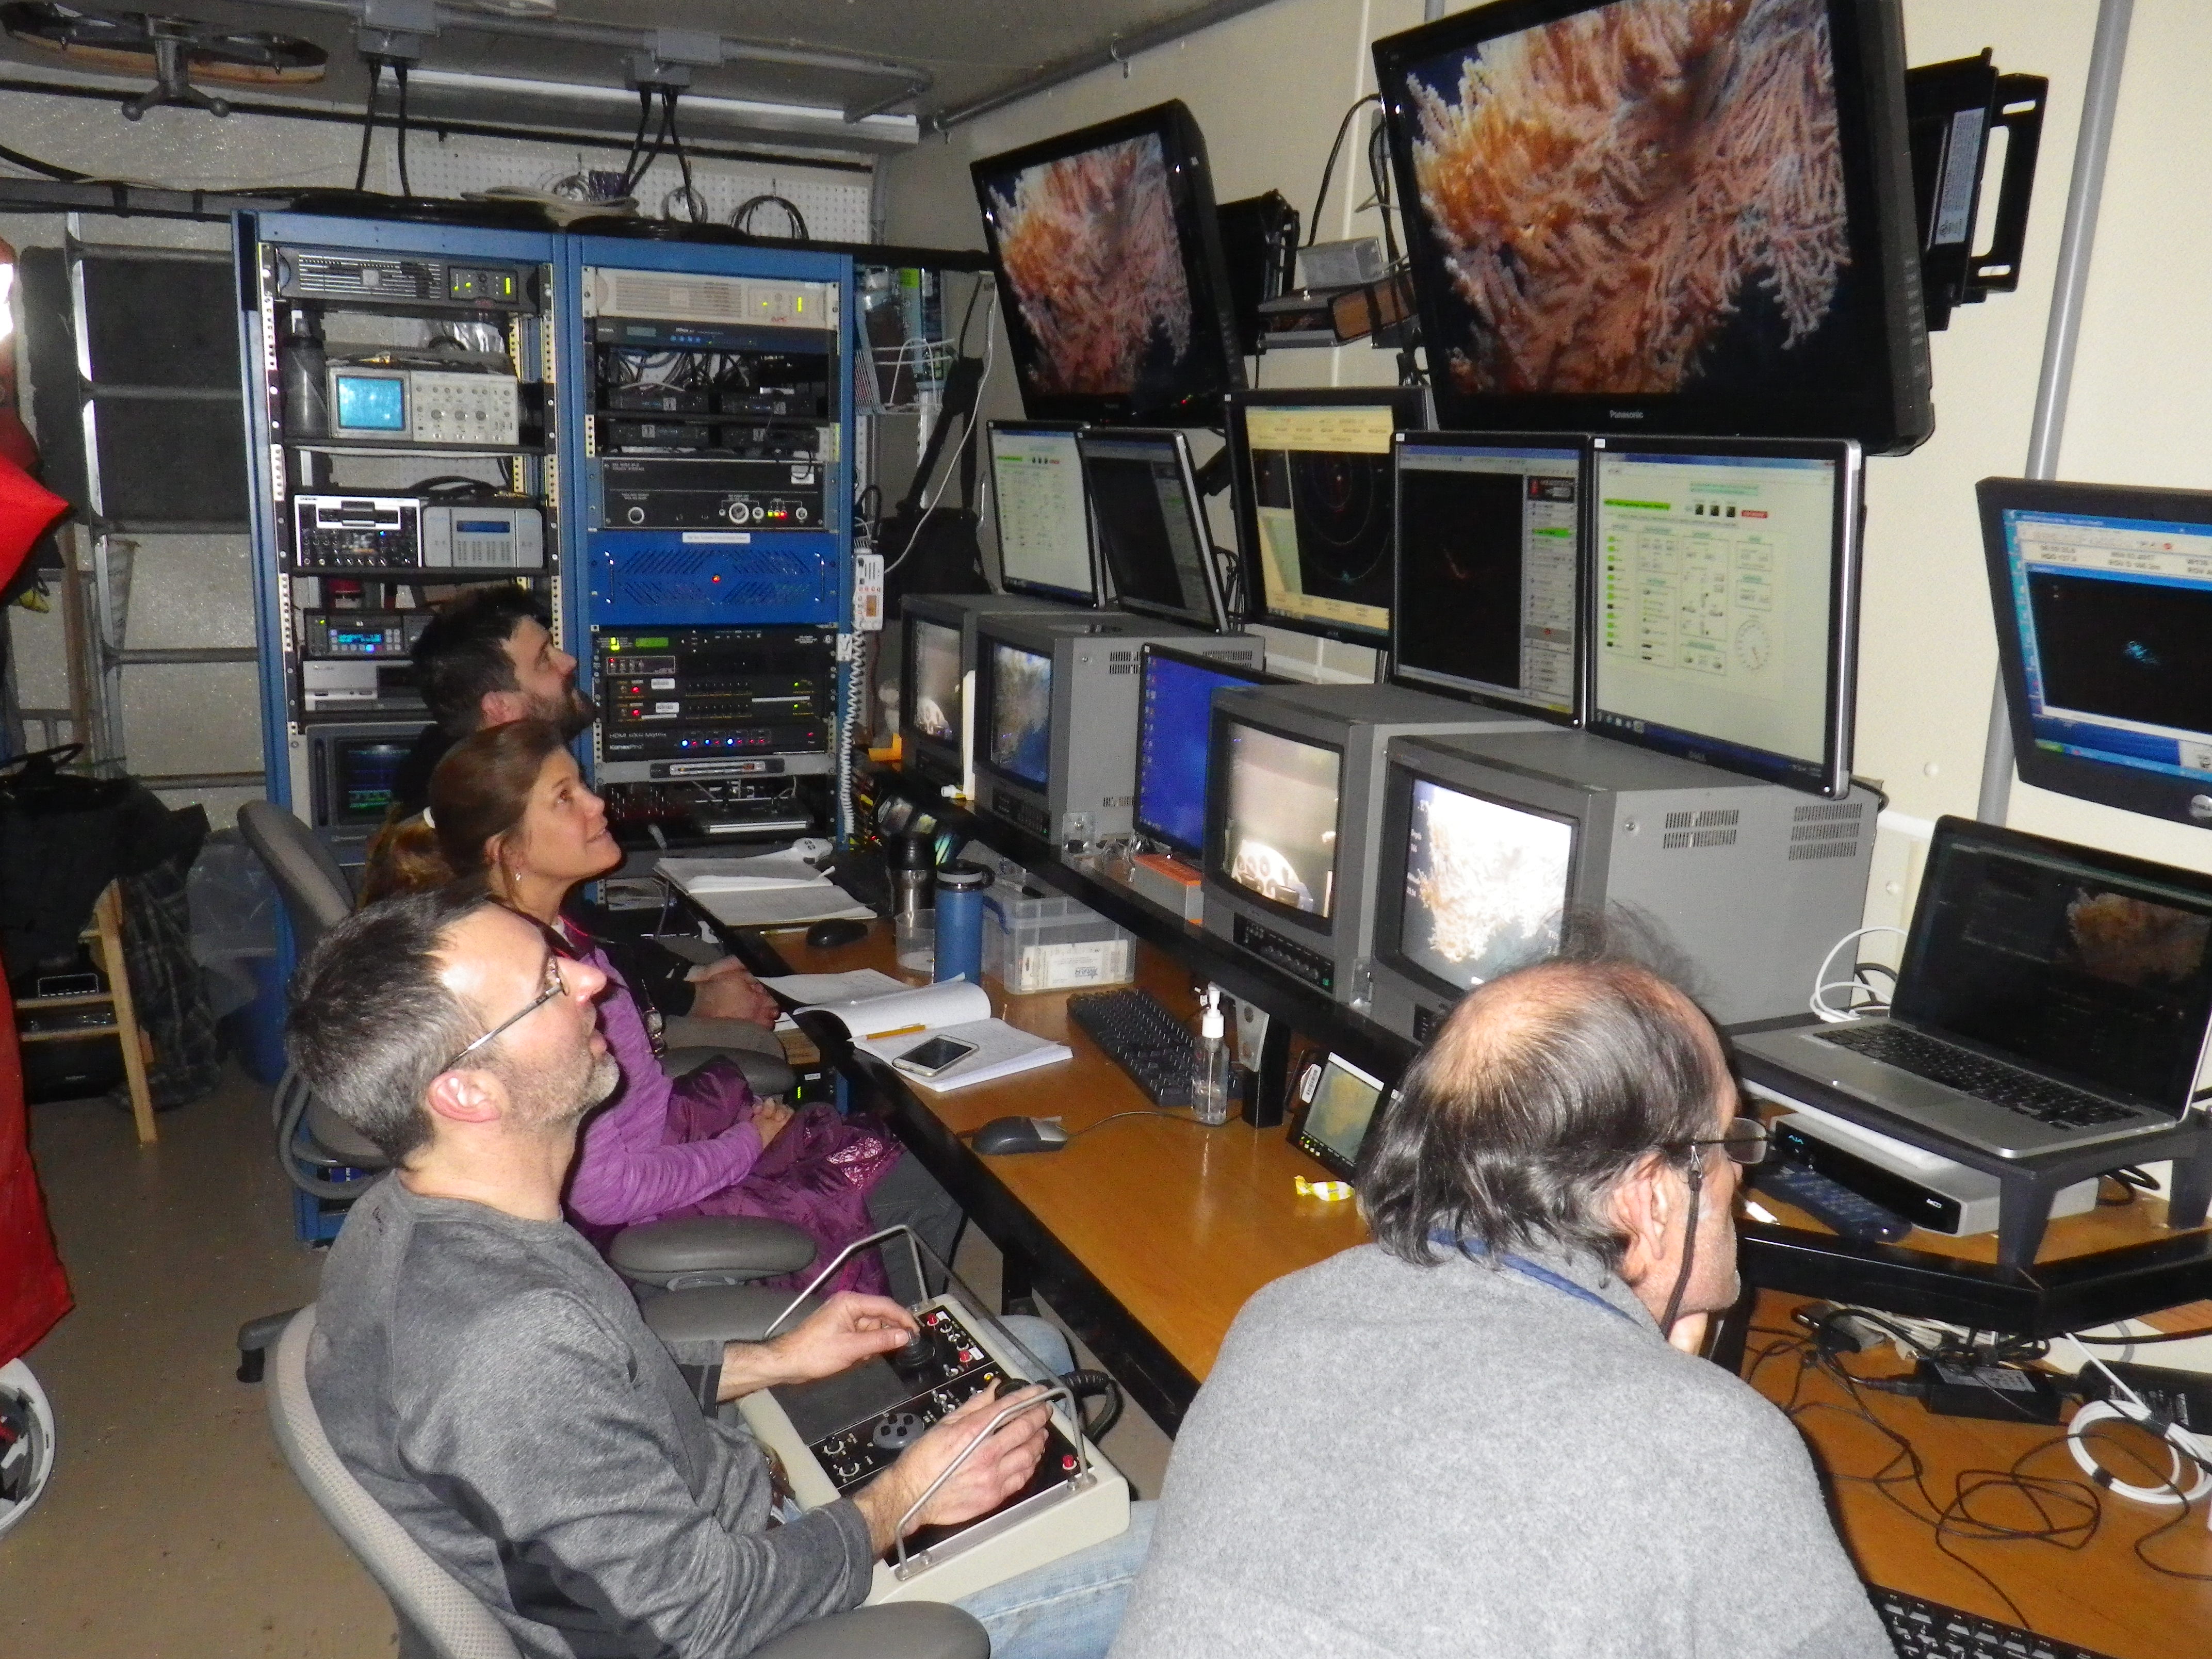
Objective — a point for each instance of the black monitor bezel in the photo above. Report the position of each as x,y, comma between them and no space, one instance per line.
334,746
1217,815
1401,399
1482,693
1089,596
986,691
1399,778
1205,268
1222,666
909,660
2109,783
1321,1154
1219,622
1831,776
1889,410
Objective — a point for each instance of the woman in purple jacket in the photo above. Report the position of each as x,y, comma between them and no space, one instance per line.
509,808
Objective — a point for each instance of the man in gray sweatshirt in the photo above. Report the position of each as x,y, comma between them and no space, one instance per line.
1486,1433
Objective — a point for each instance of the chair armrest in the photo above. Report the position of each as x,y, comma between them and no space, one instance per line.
708,1249
695,1325
905,1630
767,1075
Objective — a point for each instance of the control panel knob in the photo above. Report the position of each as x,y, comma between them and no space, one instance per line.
897,1429
636,515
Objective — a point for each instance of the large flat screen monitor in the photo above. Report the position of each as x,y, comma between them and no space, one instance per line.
1015,691
1663,216
1725,624
1109,257
1279,797
2104,609
1175,721
1311,472
1153,543
1043,520
1489,595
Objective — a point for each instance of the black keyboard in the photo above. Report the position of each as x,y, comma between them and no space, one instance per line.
1140,1037
2055,1103
1928,1630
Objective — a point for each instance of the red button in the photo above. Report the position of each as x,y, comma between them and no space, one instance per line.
1068,1460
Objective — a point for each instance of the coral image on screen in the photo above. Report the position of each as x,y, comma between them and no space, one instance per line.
1647,198
936,681
1343,1106
1089,247
1486,885
1280,835
1021,712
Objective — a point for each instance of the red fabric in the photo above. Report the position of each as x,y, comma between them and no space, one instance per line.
34,1293
27,507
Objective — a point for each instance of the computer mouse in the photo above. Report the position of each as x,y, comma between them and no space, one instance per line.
1002,1135
828,935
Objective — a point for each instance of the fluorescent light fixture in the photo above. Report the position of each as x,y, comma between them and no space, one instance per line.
462,94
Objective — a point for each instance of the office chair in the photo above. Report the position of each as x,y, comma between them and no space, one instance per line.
441,1620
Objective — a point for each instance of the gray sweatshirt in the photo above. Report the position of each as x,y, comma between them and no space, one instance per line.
1464,1459
488,1379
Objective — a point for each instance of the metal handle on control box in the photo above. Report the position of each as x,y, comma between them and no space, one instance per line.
913,1245
1081,1479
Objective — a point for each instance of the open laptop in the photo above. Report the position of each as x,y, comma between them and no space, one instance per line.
2051,996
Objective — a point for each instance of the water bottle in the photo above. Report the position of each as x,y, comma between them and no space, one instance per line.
1209,1064
914,921
960,922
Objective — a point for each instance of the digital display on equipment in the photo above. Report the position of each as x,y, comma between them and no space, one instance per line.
1320,482
1174,729
1018,740
1486,885
936,672
1044,521
367,775
1279,833
1488,568
372,403
1333,1125
1724,605
1152,537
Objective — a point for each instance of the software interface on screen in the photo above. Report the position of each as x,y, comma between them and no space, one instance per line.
1044,524
1320,500
1175,722
2116,638
1279,837
372,403
1716,589
1485,885
1343,1106
368,775
1488,549
936,679
1020,738
1151,537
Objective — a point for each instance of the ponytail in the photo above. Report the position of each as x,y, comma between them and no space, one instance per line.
477,795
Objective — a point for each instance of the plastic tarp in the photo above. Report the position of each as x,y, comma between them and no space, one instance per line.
33,1291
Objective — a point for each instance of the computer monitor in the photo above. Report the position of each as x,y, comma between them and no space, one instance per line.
1489,596
1491,846
938,632
1016,738
1725,624
1153,544
1645,216
1114,293
1175,721
1043,519
1311,472
933,660
1294,801
2103,595
1338,1105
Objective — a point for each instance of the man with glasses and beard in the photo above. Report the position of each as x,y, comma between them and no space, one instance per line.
1488,1431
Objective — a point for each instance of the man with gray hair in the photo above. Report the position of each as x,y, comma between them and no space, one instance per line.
1487,1432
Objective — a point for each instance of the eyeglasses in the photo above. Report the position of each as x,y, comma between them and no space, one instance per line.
1745,1141
551,986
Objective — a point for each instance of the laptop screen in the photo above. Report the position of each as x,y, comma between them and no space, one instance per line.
2088,972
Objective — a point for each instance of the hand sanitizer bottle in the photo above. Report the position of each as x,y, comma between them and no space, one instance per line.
1209,1065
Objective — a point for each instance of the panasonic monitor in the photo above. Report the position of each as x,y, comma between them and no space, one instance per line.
1175,718
2104,609
1489,596
1663,216
1038,504
1153,544
937,638
1110,274
1310,469
1725,623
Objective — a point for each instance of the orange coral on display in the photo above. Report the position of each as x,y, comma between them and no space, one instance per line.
1607,192
1089,246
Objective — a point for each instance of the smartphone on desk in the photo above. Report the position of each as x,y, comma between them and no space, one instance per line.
940,1054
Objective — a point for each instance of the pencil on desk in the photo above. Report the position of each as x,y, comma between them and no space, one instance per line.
896,1031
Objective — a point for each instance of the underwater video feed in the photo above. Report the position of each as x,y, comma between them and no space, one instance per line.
1486,885
1281,834
1021,712
936,680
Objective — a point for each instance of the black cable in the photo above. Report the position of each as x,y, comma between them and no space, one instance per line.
399,74
742,219
652,154
1378,176
367,123
692,203
644,120
32,163
1328,168
1080,1383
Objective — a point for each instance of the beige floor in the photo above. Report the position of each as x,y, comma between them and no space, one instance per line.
171,1529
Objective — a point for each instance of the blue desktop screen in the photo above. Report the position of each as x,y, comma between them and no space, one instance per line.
1173,726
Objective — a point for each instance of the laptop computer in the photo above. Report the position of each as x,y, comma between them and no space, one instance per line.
2051,996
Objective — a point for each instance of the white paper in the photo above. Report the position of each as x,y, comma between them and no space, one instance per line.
1001,1050
702,877
813,990
930,1008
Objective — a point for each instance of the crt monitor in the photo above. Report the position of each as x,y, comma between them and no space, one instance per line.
359,775
1485,884
935,677
1311,472
1278,824
1013,736
2104,608
368,402
1043,520
1153,544
1725,623
1489,596
1650,215
1174,727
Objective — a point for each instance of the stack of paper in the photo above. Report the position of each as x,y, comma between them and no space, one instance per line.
887,1026
779,889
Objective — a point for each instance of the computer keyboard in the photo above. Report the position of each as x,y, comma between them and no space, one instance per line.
2055,1103
1140,1037
1928,1630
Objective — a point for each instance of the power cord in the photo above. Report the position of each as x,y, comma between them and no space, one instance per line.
1876,1002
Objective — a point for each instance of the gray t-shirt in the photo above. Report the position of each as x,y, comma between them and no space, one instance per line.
488,1379
1465,1459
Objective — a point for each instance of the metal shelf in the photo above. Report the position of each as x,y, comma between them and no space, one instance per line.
407,447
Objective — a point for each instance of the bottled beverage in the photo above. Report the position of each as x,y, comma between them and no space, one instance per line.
960,922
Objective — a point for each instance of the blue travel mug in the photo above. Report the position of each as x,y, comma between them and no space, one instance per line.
960,922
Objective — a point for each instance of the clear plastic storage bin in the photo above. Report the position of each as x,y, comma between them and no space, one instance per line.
1052,944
